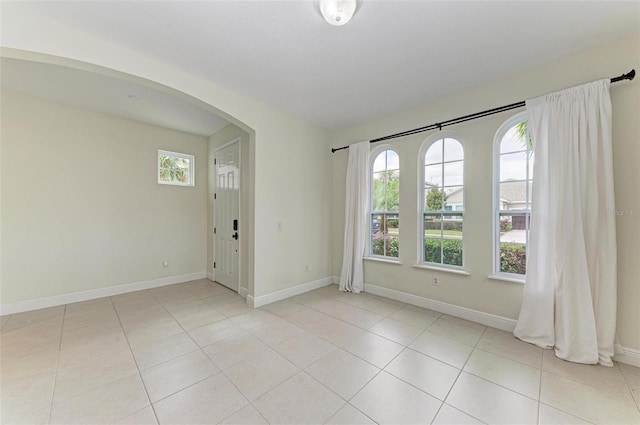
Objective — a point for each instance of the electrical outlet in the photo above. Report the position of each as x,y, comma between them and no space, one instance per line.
435,282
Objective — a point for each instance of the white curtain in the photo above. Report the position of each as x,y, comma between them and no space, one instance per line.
355,222
570,291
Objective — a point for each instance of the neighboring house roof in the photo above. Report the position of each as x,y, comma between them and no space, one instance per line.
514,191
511,192
455,197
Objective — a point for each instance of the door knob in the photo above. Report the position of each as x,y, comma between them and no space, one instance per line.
235,236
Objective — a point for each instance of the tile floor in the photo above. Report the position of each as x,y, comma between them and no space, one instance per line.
196,353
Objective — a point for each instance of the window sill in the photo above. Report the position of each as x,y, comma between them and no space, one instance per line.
506,279
383,260
442,269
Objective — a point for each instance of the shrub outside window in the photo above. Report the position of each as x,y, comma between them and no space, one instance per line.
176,168
385,205
513,176
443,203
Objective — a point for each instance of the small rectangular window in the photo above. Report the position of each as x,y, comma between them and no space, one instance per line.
176,168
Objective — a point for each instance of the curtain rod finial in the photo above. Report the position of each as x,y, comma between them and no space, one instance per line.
334,150
628,76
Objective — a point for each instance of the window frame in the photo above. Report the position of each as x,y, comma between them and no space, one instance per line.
500,133
422,202
192,167
369,249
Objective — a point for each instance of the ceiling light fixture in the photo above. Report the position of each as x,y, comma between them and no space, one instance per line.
337,12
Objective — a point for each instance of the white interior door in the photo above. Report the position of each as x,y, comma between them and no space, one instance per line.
227,217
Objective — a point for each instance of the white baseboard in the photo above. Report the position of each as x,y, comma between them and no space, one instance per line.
272,297
629,356
486,319
243,292
75,297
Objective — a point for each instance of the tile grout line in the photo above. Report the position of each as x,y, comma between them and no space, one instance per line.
400,352
197,345
191,338
405,347
269,390
351,305
8,316
359,327
460,374
540,386
590,387
339,348
502,386
55,377
380,369
135,361
628,385
304,370
509,359
221,371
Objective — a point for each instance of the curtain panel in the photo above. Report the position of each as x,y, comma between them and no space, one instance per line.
355,222
569,301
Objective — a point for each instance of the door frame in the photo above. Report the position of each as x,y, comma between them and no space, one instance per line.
237,140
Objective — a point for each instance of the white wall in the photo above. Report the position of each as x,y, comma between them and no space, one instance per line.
292,168
293,187
477,291
82,209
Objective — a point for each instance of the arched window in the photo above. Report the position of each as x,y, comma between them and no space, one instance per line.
385,204
512,197
443,203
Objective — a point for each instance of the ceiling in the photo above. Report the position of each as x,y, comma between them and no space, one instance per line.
107,94
392,55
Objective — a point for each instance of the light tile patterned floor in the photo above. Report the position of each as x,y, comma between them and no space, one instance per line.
196,353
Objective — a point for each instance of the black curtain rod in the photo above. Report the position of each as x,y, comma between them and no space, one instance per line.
439,125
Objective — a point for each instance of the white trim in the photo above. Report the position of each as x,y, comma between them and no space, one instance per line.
497,141
505,278
282,294
211,277
243,292
237,140
373,155
628,356
229,143
192,167
442,268
422,152
75,297
383,260
487,319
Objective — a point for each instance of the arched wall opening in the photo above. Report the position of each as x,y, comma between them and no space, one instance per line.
90,228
